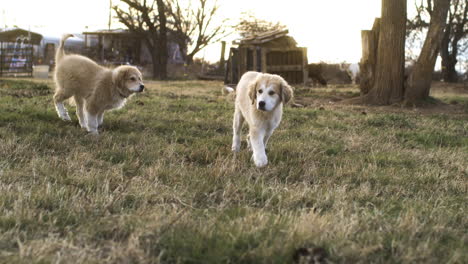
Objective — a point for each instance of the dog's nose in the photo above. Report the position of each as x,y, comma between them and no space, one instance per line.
142,87
261,104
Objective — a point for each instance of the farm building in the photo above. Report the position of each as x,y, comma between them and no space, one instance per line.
272,52
17,51
21,49
121,46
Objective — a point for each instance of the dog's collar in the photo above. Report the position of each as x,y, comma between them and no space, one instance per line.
121,95
118,91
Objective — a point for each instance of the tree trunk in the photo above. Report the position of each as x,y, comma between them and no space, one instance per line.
189,59
156,70
162,42
221,59
449,60
388,85
449,73
419,81
370,39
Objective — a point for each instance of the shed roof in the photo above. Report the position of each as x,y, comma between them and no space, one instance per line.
262,38
111,32
11,35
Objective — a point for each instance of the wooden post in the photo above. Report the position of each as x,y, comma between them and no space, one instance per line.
370,40
305,72
264,60
241,62
101,47
32,61
254,58
227,71
1,58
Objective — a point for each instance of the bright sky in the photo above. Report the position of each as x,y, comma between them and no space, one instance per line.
330,29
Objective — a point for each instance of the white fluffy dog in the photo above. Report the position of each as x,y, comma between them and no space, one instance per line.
95,89
259,101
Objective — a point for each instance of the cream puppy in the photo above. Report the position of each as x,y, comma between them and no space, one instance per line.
259,101
95,89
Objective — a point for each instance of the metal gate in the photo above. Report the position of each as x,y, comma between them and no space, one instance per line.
16,59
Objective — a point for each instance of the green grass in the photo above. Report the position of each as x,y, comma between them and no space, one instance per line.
160,184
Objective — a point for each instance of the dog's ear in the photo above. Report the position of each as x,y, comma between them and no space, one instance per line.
253,91
286,91
118,77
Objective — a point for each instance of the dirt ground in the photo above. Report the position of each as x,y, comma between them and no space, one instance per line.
447,98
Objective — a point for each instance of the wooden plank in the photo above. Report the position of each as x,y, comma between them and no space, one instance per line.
244,61
254,55
232,65
241,62
285,50
1,58
262,38
264,59
285,68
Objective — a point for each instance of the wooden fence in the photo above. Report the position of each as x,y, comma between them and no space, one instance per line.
16,61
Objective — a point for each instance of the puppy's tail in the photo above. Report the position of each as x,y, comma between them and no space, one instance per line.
60,50
227,90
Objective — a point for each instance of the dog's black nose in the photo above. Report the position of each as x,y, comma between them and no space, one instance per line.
261,104
142,87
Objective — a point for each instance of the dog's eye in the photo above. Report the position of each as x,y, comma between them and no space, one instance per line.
133,79
271,93
260,91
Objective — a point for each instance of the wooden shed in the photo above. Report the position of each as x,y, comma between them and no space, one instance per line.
17,51
271,52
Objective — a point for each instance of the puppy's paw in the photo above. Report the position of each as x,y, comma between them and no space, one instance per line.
65,118
93,133
260,161
235,148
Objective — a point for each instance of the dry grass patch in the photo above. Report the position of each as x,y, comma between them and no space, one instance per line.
160,184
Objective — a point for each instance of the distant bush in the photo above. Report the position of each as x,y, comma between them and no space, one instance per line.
335,75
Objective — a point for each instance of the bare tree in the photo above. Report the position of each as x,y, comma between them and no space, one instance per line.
386,66
389,76
193,26
419,81
455,30
250,25
148,20
454,41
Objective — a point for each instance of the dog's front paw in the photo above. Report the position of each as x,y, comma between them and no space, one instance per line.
260,161
65,117
93,132
235,148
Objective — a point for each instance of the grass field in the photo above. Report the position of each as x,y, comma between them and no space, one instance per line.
160,184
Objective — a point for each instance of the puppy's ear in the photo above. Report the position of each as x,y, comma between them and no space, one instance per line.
286,92
118,77
253,91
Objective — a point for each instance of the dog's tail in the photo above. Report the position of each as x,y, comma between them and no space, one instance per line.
60,50
227,90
